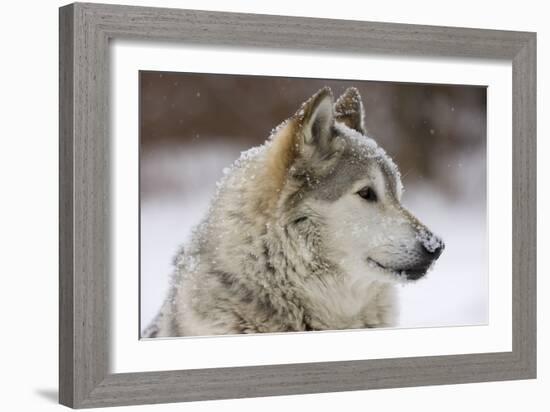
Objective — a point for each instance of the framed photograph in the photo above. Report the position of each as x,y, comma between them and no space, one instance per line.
256,205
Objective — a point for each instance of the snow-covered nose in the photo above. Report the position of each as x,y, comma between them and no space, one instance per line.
433,245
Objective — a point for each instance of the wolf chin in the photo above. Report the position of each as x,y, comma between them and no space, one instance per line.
306,232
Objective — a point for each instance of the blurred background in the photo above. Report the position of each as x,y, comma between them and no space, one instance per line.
194,125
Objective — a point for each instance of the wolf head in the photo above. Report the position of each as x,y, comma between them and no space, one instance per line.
330,183
321,191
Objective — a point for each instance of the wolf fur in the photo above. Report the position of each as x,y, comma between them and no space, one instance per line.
306,232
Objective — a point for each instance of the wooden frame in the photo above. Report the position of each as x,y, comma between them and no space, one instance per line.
85,31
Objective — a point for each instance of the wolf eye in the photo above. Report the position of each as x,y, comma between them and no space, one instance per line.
368,194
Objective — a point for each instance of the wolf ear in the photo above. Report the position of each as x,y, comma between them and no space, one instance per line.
315,140
317,119
349,110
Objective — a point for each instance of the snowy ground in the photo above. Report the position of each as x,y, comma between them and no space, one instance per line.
174,200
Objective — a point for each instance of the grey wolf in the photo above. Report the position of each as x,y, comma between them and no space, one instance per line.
306,232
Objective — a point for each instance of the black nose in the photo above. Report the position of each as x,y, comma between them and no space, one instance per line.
434,249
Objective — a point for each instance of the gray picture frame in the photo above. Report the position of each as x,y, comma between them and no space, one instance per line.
85,32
